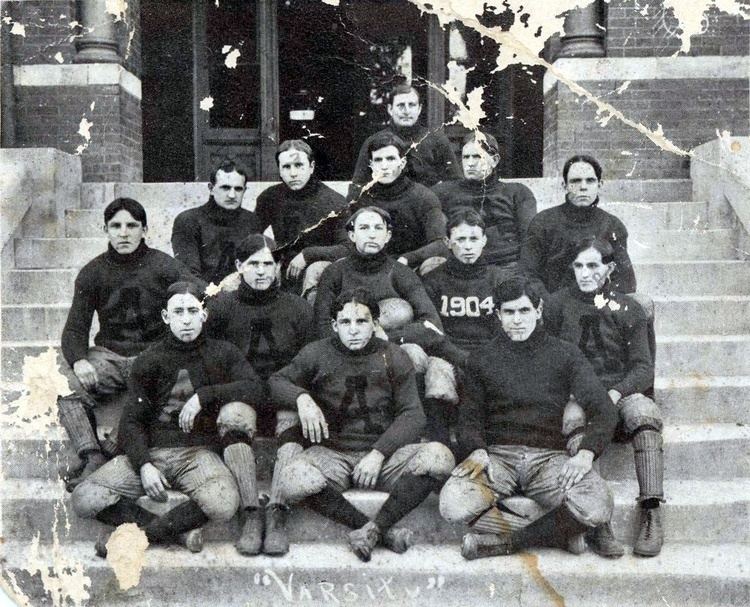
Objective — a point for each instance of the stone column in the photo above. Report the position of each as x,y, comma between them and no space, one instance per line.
98,43
584,35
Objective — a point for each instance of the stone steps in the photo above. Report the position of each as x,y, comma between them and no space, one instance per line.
693,277
719,451
665,245
315,574
701,399
45,286
695,511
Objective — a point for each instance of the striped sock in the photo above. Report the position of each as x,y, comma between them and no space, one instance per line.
240,459
499,522
284,454
76,421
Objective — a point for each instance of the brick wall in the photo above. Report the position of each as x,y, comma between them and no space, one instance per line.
50,117
638,28
690,112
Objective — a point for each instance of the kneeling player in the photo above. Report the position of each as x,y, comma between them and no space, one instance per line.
188,399
611,330
516,389
357,400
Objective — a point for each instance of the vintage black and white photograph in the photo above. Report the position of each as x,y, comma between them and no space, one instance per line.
375,302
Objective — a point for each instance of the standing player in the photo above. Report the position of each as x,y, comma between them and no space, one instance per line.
125,287
357,401
611,330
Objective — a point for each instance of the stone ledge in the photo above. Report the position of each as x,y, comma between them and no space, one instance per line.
80,74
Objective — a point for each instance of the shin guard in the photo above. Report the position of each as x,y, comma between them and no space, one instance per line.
649,463
497,521
180,519
74,418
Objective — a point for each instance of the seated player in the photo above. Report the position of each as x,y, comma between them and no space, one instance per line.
611,330
125,287
188,398
506,208
430,159
270,327
417,220
552,235
462,290
516,388
307,217
407,314
204,238
356,396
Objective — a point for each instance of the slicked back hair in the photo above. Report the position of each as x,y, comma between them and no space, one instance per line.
183,287
403,89
133,207
592,242
582,158
461,215
253,243
489,142
383,140
371,209
295,144
227,166
515,288
357,295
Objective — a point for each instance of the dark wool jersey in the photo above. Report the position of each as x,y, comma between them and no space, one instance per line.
291,212
416,215
162,380
127,293
507,210
384,278
205,238
463,296
515,393
553,234
612,335
431,160
368,396
269,327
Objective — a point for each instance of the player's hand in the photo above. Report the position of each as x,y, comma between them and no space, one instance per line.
403,260
575,469
296,266
477,462
380,332
154,483
615,396
86,373
311,418
367,470
189,410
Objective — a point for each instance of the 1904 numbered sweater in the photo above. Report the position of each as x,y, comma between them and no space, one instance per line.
507,210
269,327
553,234
162,380
205,238
613,335
127,293
368,397
515,393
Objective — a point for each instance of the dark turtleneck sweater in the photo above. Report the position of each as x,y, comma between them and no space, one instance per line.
431,161
269,326
300,219
162,380
613,335
369,396
547,252
507,210
205,238
418,221
384,278
127,293
515,393
463,295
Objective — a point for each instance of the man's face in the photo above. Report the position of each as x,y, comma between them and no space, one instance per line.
591,273
386,164
354,325
404,109
228,189
370,234
519,318
582,186
295,169
124,232
477,163
258,270
467,242
185,316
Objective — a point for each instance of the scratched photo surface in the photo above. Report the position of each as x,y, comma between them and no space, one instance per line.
143,99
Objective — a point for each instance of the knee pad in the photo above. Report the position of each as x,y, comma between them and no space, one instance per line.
89,499
300,479
237,418
462,500
433,459
574,418
440,380
218,497
417,356
395,313
285,420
